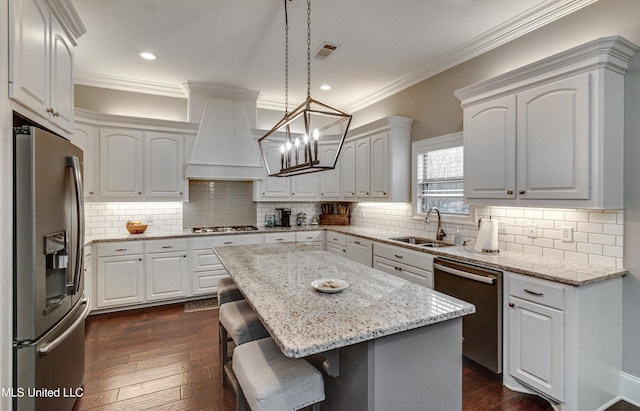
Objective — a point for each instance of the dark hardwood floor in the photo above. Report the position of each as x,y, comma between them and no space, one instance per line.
164,359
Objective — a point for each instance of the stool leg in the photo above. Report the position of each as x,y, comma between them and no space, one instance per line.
240,400
224,351
315,407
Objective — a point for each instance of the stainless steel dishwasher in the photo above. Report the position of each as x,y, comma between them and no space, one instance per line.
481,287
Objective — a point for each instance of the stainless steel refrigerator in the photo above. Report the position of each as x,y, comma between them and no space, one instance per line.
49,303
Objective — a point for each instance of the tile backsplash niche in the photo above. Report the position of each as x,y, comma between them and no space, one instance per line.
109,219
597,235
219,203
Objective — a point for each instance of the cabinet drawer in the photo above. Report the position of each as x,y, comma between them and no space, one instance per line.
409,273
538,291
235,239
205,260
120,248
309,236
279,238
337,238
162,246
402,255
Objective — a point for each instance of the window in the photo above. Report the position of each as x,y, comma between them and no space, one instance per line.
438,178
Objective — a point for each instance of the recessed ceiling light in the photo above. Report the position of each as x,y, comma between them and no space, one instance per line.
325,87
147,56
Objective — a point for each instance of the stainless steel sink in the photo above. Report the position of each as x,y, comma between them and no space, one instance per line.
422,242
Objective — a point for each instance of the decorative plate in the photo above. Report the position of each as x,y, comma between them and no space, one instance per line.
329,285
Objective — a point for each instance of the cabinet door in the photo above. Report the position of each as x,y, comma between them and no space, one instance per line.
166,275
348,170
274,187
86,138
29,55
363,168
380,167
61,79
121,165
330,180
535,346
553,140
490,149
165,166
120,280
305,186
360,251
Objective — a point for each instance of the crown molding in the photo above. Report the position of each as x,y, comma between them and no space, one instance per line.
68,18
526,22
126,84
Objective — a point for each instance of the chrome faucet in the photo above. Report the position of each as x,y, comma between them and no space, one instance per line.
440,234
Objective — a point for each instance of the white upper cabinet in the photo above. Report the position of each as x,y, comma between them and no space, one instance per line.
373,165
165,169
41,63
490,149
375,161
130,159
86,137
330,180
348,170
551,133
121,164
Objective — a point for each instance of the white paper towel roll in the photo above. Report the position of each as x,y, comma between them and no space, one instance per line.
487,236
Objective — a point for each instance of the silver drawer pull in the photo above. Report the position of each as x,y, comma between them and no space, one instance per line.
279,239
357,242
120,249
309,238
167,246
399,256
228,242
533,293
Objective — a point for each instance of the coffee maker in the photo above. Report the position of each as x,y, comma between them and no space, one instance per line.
285,216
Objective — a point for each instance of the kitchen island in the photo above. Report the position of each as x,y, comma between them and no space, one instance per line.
387,343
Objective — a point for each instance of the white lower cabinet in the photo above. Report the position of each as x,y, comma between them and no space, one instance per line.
536,325
166,268
360,250
414,266
120,276
563,341
282,237
337,243
206,267
314,238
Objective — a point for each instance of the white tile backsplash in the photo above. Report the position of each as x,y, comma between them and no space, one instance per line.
104,219
597,235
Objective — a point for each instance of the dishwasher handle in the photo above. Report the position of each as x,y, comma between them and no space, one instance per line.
464,274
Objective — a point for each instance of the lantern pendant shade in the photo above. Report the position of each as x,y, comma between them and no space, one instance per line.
306,140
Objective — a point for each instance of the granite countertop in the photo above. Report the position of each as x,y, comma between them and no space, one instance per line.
562,271
548,268
276,279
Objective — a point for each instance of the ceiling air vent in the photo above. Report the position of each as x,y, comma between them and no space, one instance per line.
325,50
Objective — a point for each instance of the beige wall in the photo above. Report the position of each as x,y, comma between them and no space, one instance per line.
435,109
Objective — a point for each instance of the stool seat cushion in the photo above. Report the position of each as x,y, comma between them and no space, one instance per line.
272,381
228,291
241,322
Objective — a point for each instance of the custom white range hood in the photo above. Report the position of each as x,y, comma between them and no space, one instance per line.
224,147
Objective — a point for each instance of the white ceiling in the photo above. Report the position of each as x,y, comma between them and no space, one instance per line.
386,46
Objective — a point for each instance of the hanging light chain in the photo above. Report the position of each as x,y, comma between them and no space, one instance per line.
286,59
308,49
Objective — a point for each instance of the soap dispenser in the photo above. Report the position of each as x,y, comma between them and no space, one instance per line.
458,237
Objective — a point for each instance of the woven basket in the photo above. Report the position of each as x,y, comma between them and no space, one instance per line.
334,219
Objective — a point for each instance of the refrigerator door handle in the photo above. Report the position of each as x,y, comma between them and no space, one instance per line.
74,163
49,347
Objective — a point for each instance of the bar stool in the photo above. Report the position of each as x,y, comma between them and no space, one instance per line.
240,323
228,291
270,381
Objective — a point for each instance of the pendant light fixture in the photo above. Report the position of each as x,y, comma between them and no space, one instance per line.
309,138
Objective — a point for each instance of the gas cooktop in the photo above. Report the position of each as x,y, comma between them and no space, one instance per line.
224,228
